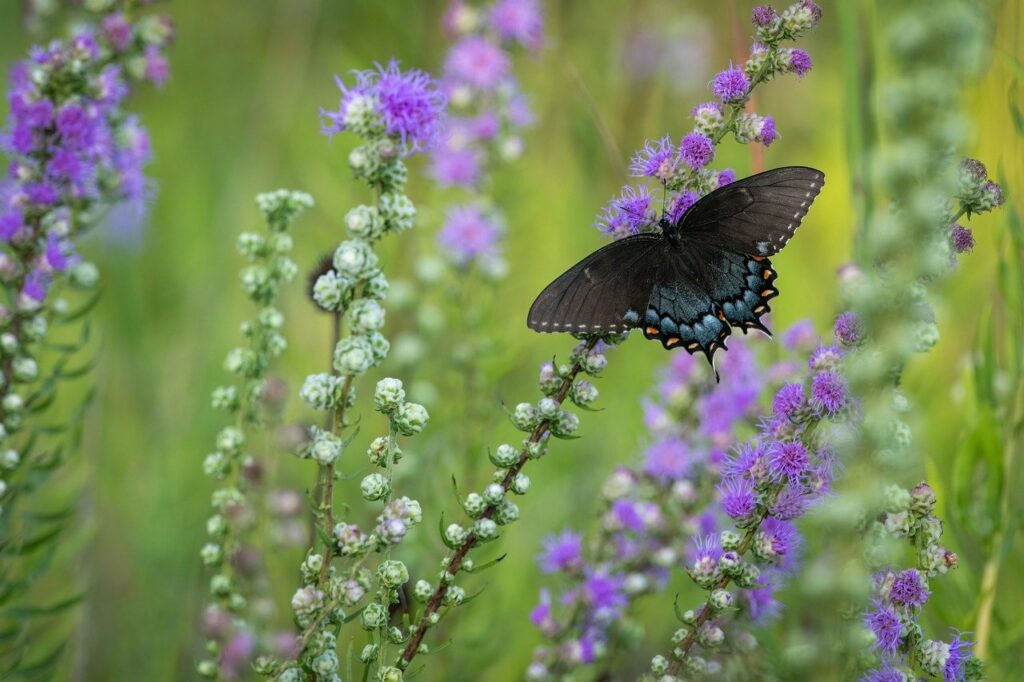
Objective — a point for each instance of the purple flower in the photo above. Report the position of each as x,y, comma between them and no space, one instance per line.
751,460
909,589
726,177
519,112
788,400
790,504
455,167
738,498
781,537
58,254
761,603
829,392
35,287
767,133
117,31
789,459
825,357
705,552
812,9
541,614
884,674
961,239
237,653
801,336
485,126
668,460
764,16
799,62
696,150
847,329
627,515
885,623
477,62
409,103
995,191
731,85
157,68
519,20
680,205
42,193
959,653
561,553
656,160
627,213
74,125
604,592
468,234
10,223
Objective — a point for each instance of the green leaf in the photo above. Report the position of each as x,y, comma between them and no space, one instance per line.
36,611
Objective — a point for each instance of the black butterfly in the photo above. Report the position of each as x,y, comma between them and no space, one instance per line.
689,285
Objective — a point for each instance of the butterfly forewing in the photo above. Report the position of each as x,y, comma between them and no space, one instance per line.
598,294
756,215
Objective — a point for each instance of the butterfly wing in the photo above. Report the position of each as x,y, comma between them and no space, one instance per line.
756,215
605,292
702,292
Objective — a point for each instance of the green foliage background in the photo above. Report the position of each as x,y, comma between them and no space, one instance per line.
240,116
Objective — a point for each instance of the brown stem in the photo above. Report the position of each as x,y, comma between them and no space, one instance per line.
459,555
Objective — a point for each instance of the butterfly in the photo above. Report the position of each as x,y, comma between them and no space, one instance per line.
701,276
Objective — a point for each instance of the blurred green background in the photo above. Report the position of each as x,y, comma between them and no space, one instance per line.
239,116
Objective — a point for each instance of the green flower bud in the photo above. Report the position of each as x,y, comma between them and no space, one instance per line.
364,222
325,448
83,275
24,369
455,534
331,291
398,212
410,418
520,484
505,456
524,417
389,395
474,505
356,259
374,616
494,494
353,355
393,573
211,554
485,529
375,487
423,590
322,391
506,513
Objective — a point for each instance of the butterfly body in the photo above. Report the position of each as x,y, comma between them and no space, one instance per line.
690,285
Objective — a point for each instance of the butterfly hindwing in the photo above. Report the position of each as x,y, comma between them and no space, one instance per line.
756,215
605,292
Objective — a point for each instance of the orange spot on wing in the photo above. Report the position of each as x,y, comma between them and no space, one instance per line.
768,274
672,341
693,346
652,331
758,258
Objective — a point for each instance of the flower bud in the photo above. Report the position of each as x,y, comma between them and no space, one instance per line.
485,529
374,616
504,456
520,484
355,258
410,418
493,494
393,573
583,393
374,487
524,417
389,395
547,409
455,534
364,222
366,316
505,513
720,599
325,448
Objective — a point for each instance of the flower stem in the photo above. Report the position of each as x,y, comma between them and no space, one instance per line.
459,554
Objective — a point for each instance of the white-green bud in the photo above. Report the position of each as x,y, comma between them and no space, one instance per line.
374,616
547,409
230,440
369,653
390,673
84,275
720,599
322,391
8,343
326,663
376,287
659,665
474,505
239,360
211,554
13,403
355,258
224,398
216,526
251,244
524,417
220,585
506,513
566,423
393,573
455,595
494,494
485,529
398,212
505,456
353,355
594,363
216,465
374,487
520,484
364,222
423,590
331,290
389,395
9,459
583,393
410,418
455,534
24,369
366,316
326,448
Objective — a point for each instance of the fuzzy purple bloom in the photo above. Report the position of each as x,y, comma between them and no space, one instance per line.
468,234
761,603
541,614
731,85
909,589
628,516
959,653
788,400
519,20
768,133
961,239
884,674
628,213
800,62
561,553
667,460
696,150
825,357
790,504
117,30
801,336
764,16
847,329
829,392
781,535
788,459
680,205
885,623
604,592
727,176
738,498
657,160
455,167
477,62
